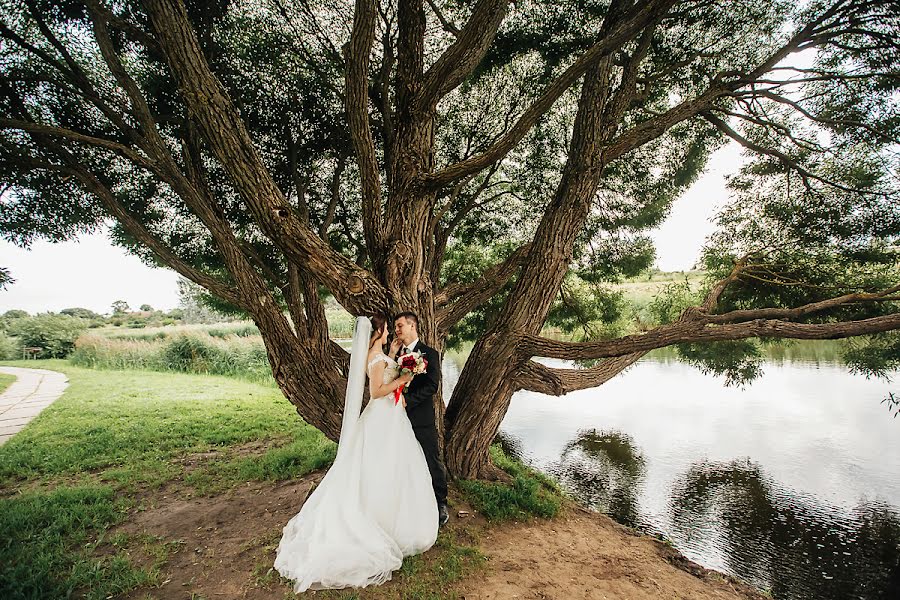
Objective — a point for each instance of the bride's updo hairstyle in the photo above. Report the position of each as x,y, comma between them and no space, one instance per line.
379,322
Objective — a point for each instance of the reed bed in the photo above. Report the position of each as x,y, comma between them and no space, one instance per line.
196,352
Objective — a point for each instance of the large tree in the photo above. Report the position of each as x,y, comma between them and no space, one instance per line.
473,162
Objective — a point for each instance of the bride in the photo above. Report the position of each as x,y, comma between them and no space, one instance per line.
375,504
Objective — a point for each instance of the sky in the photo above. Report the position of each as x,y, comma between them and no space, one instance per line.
92,273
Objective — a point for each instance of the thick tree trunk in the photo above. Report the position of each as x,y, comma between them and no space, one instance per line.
487,382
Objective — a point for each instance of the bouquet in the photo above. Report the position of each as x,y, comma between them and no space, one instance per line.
413,363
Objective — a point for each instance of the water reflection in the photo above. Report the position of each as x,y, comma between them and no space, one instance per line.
795,546
603,469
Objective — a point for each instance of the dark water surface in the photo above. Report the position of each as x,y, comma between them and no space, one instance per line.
791,484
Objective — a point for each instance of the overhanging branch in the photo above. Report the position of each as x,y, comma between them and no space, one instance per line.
704,330
230,142
357,54
536,377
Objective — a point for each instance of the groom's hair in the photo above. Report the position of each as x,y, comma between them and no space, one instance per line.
409,316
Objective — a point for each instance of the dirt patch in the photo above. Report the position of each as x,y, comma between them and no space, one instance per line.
199,460
224,547
587,555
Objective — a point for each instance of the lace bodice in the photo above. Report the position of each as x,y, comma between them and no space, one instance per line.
390,367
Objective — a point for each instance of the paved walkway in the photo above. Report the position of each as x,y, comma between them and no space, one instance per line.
32,392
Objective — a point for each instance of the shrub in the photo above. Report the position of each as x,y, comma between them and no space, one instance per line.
9,349
193,352
190,354
54,334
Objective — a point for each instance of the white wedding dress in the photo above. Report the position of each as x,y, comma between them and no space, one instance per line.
375,505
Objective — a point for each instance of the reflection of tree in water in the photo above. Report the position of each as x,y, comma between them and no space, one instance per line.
792,545
511,446
603,470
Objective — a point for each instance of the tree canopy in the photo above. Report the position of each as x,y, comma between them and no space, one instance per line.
489,165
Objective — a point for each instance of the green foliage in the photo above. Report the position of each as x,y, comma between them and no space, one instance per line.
668,305
590,308
740,361
874,356
120,307
464,263
48,543
187,352
15,314
82,313
6,278
9,348
530,494
54,334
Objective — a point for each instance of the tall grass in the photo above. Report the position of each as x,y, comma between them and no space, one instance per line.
243,357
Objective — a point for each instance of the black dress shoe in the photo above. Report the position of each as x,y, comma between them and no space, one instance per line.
443,515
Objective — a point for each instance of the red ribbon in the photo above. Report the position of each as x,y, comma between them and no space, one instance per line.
397,393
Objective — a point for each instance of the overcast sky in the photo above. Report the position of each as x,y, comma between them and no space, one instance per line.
92,273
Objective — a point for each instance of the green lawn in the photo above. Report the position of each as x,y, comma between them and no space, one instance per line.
83,464
62,478
6,381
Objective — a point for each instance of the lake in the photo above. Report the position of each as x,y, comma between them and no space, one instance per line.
791,484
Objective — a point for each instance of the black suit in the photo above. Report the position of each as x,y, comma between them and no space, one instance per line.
420,410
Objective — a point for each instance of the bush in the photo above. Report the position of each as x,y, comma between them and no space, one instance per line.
54,334
190,354
9,349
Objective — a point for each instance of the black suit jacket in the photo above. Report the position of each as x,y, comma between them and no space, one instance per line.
420,395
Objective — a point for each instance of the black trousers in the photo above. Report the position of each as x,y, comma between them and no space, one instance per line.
427,437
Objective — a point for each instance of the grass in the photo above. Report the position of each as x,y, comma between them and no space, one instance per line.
125,427
427,576
83,465
71,473
6,381
48,543
531,493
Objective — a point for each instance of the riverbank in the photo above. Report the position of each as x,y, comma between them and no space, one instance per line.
227,543
159,485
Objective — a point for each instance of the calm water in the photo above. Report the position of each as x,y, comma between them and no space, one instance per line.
791,484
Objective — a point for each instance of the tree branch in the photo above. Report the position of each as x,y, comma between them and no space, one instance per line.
705,330
536,377
445,23
61,132
457,300
335,198
617,37
356,54
781,156
137,230
230,142
458,61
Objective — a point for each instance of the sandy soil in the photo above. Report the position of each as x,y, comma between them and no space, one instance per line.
223,547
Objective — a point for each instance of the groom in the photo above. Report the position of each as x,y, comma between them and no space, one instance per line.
420,403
